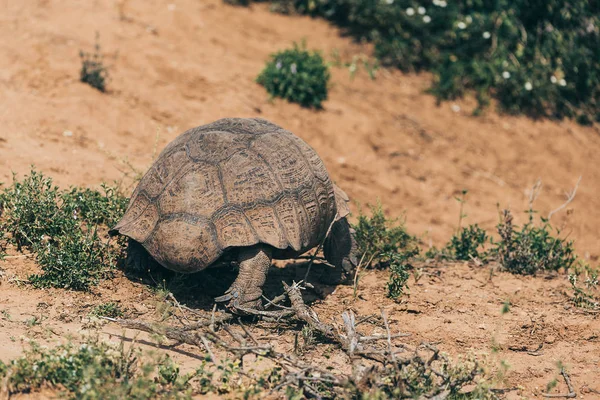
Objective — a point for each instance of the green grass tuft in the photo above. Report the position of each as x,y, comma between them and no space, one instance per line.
386,244
65,229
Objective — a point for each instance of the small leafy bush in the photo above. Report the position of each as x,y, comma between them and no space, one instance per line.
93,71
95,370
297,75
386,244
537,58
62,228
532,248
585,285
466,245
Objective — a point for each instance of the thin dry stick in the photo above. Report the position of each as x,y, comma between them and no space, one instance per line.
571,393
389,336
275,301
208,350
535,192
347,343
178,306
247,332
312,260
570,197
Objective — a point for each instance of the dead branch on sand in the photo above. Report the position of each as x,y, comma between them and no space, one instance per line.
384,361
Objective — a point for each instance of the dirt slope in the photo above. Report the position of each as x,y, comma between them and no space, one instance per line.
178,64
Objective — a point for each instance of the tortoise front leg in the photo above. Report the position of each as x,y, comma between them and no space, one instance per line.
246,290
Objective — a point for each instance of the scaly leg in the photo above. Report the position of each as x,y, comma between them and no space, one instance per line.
246,290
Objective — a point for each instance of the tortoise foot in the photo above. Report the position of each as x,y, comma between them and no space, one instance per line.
241,301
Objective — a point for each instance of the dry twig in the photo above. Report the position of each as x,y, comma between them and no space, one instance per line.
571,393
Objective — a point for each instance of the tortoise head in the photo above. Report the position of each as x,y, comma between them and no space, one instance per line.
340,247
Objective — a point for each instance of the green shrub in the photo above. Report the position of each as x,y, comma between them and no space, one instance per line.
93,71
94,370
585,285
62,229
532,248
386,244
466,244
297,75
540,58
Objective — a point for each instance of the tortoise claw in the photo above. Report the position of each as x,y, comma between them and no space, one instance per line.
224,298
229,295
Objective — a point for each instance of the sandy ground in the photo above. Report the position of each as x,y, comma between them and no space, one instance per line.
179,64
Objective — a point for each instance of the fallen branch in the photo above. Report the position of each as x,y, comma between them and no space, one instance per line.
571,393
316,382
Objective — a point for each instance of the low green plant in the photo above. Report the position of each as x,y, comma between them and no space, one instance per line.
109,309
93,71
94,370
298,75
585,285
62,228
466,245
532,248
386,244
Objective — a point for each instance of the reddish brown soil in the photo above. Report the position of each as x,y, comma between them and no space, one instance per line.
176,67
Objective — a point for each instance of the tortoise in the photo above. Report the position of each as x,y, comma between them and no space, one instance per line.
237,188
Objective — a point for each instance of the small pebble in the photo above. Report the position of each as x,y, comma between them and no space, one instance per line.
67,133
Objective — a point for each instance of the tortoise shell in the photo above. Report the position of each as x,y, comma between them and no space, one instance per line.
232,183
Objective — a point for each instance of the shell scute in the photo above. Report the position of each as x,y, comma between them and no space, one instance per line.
183,245
198,191
233,229
289,217
163,171
246,179
285,160
267,226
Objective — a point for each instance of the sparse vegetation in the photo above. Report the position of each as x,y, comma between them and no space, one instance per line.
100,370
94,370
93,71
385,243
298,75
540,60
585,285
532,248
62,228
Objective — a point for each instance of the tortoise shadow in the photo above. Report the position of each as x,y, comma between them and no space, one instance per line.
199,289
